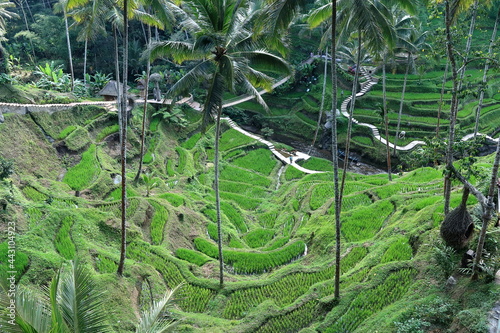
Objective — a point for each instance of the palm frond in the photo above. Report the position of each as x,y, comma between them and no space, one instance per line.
190,79
265,61
179,51
157,319
214,99
320,15
227,70
81,305
148,19
34,316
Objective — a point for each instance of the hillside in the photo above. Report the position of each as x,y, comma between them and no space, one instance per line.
278,231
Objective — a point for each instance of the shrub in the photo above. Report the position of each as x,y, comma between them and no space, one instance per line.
6,168
84,173
193,257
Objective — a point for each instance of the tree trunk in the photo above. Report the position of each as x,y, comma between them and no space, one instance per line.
123,143
402,102
468,44
485,73
217,197
335,152
143,128
325,73
70,57
386,119
453,109
441,99
351,111
487,212
85,62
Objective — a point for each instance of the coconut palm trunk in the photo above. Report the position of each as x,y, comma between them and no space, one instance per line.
321,108
469,43
408,63
441,98
351,111
335,151
386,118
68,42
145,107
123,142
487,212
485,73
217,197
453,107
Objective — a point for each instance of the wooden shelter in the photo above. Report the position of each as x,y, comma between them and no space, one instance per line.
109,92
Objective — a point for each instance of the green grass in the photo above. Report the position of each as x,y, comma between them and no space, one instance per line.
12,259
83,174
65,132
232,138
244,176
399,250
107,131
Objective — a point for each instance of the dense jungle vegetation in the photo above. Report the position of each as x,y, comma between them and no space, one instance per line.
125,217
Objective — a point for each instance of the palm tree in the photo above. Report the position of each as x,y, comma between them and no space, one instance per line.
485,73
228,56
5,15
62,5
74,305
411,45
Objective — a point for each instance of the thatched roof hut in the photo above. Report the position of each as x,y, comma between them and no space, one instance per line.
109,92
457,227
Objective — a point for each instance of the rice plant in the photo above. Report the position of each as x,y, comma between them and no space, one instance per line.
84,173
364,222
33,194
105,265
160,217
191,142
232,138
65,132
399,250
244,176
174,199
292,321
192,256
107,131
258,237
259,160
63,242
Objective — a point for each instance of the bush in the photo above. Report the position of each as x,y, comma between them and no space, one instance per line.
6,168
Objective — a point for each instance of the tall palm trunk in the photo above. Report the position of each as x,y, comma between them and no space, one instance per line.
70,57
321,108
123,143
485,73
441,101
401,103
487,212
386,119
217,197
469,43
143,128
27,27
351,111
453,108
335,152
85,61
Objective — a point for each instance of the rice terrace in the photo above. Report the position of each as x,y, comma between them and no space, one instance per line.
249,166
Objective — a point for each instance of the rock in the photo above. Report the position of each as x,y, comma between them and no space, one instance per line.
2,119
497,277
451,281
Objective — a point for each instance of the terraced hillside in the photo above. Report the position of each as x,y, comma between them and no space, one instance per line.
278,231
